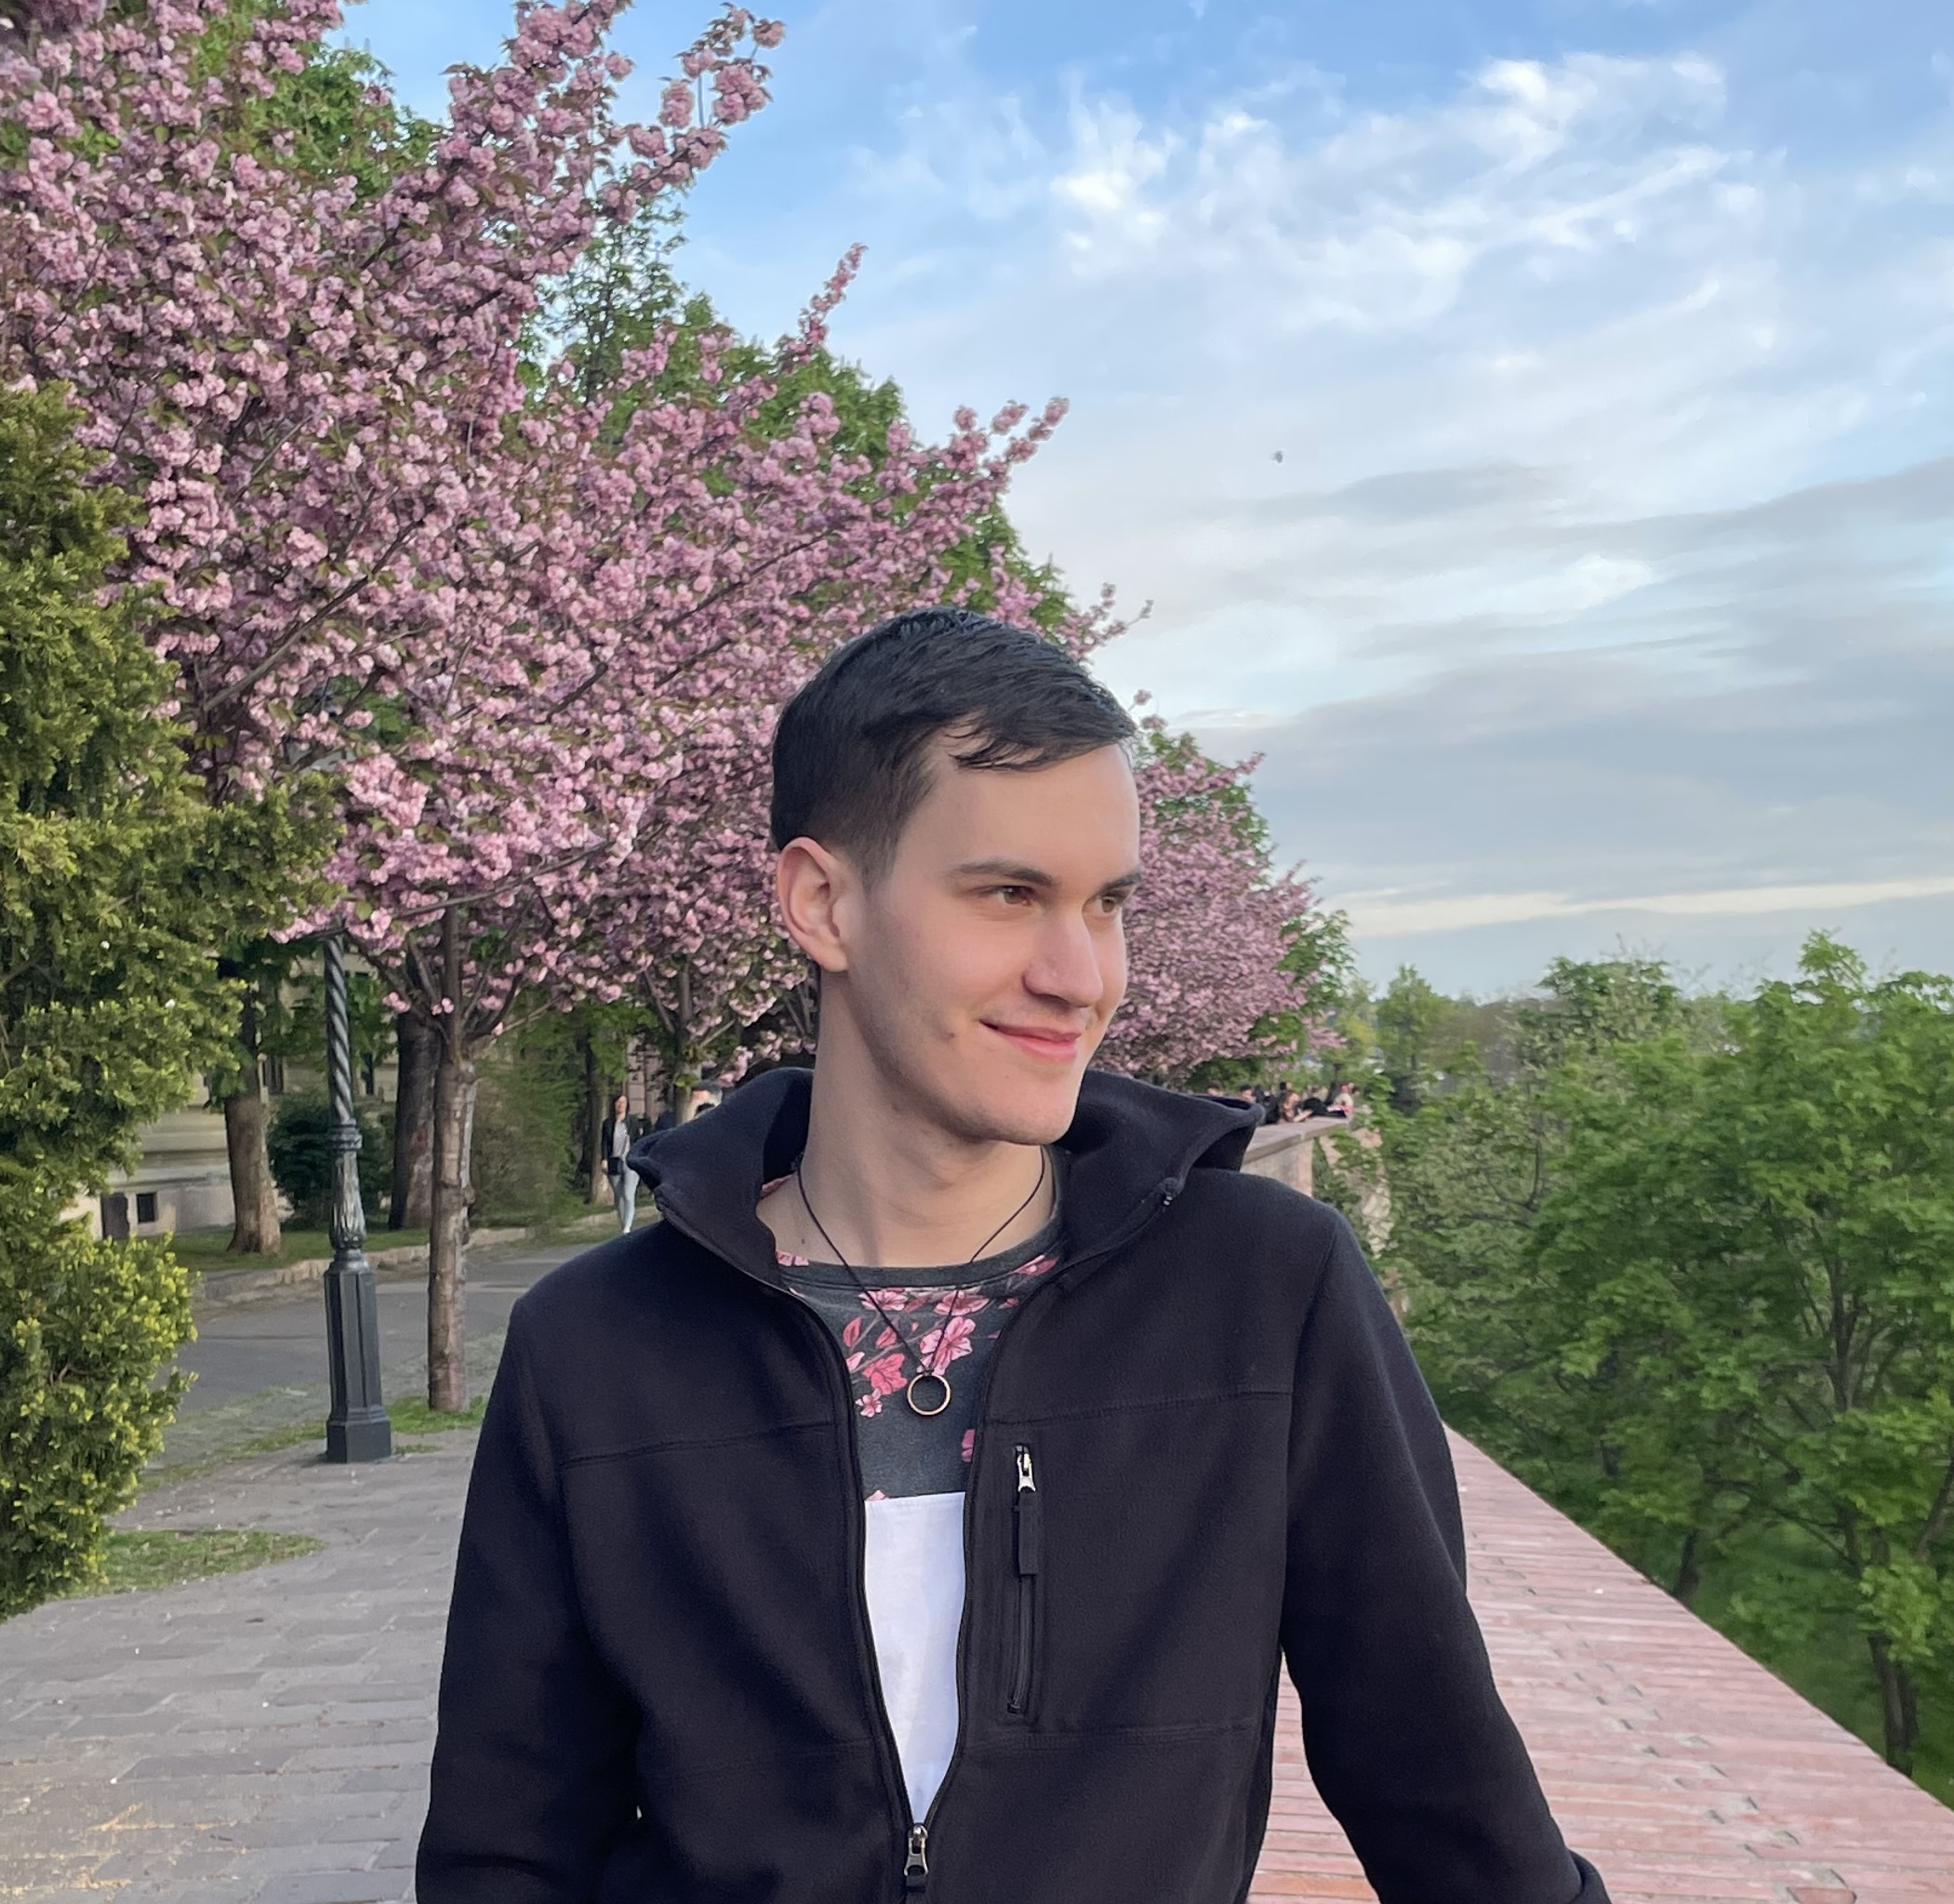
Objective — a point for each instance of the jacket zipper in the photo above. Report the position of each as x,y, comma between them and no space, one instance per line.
1027,1529
915,1870
915,1862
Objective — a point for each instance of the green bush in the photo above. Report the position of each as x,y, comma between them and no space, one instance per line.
84,1327
301,1158
522,1160
116,879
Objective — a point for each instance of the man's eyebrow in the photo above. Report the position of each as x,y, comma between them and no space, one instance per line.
1012,869
1016,873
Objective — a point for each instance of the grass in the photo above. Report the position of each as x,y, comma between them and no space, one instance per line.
412,1415
409,1415
568,1219
209,1249
135,1562
287,1437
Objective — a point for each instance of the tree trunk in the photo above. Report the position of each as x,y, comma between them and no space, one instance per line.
590,1153
255,1229
447,1227
1689,1568
254,1193
407,1208
678,1027
1899,1705
455,1082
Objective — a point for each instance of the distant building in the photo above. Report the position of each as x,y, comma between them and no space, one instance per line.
182,1181
182,1178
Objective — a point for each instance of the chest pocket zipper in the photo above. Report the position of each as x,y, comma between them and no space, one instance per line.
1027,1543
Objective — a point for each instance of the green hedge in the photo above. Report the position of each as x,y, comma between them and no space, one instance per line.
84,1326
301,1159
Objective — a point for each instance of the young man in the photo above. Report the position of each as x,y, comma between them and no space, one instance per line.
926,1505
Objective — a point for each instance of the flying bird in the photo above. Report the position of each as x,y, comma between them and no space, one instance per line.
1277,457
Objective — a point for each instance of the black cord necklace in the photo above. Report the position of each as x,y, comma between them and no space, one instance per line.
928,1390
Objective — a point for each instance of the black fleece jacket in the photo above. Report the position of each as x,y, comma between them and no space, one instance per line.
660,1682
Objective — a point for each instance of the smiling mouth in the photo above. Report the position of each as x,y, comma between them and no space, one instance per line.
1040,1043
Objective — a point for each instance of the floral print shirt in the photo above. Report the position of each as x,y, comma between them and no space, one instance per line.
951,1319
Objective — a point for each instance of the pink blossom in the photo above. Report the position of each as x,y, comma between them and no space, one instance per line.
949,1343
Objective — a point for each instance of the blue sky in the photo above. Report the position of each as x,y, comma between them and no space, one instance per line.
1603,592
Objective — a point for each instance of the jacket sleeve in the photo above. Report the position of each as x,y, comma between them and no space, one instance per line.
1404,1731
531,1783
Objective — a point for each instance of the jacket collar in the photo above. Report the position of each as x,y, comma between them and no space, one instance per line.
1129,1150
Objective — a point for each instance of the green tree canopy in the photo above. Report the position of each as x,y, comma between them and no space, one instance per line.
1760,1239
1688,1274
112,890
112,881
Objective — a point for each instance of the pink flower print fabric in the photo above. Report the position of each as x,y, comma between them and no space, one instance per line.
960,1322
945,1326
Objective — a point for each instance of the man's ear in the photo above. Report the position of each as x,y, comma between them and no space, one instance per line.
811,882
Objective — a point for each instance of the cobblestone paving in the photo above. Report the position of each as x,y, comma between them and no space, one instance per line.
265,1735
259,1736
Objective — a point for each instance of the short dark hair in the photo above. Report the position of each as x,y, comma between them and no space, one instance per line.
851,751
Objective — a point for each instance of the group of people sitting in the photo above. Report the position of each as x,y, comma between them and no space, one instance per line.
1285,1104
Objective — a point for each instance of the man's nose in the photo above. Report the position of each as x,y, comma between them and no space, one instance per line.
1068,965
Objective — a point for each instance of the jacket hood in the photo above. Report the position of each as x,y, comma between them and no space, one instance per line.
1129,1149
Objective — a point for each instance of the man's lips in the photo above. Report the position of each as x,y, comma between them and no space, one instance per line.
1041,1042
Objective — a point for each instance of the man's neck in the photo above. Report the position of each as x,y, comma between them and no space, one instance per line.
894,1190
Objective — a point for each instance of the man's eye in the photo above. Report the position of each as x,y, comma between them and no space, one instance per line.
1013,895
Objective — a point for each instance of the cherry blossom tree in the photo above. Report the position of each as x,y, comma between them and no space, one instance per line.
1208,929
688,936
287,367
532,642
549,798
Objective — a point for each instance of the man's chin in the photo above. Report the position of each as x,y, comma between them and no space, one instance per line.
1017,1117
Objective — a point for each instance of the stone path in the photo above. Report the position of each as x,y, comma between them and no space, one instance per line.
265,1735
258,1735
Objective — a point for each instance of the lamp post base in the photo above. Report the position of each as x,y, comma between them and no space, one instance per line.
357,1428
363,1438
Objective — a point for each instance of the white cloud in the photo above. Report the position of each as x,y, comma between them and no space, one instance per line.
1383,913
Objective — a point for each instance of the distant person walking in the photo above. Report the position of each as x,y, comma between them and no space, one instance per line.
620,1129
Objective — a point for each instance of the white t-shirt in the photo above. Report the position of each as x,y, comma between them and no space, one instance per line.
914,1574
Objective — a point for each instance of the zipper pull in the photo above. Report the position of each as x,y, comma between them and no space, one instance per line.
915,1866
1026,1515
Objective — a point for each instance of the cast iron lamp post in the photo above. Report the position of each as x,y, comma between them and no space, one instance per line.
357,1428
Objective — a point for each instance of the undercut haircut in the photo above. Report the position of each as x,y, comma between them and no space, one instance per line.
851,749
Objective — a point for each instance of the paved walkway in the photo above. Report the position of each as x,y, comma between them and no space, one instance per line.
265,1735
276,1340
261,1365
258,1736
